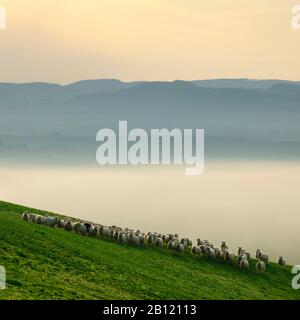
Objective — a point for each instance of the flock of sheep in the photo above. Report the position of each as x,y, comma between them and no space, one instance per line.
170,241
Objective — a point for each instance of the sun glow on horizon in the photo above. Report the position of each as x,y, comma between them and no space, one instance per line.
64,41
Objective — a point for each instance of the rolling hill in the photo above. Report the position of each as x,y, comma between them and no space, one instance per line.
49,263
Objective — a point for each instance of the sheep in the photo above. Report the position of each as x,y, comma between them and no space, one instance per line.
209,252
247,253
200,242
196,250
180,248
281,261
60,224
124,238
135,240
68,225
184,242
229,257
244,264
80,228
50,221
219,254
26,216
88,226
150,238
39,219
224,245
106,232
159,242
93,231
260,266
257,253
240,249
263,257
241,257
142,239
32,217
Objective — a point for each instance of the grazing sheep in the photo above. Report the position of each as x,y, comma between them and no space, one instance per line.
106,232
202,248
124,238
281,261
39,219
241,257
88,226
219,254
244,264
200,242
26,216
224,246
135,240
260,266
93,231
68,226
159,242
61,224
258,251
180,248
263,257
50,221
80,228
209,252
247,253
142,239
229,257
196,250
32,217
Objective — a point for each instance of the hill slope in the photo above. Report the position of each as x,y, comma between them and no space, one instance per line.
46,263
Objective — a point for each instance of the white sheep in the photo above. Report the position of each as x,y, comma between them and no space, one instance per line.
159,242
135,240
25,216
258,251
244,264
263,257
224,245
281,261
124,238
93,231
39,219
260,266
180,248
32,217
50,221
68,225
80,228
247,253
60,223
228,256
209,252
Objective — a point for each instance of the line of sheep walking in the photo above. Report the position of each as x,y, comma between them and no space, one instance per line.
171,241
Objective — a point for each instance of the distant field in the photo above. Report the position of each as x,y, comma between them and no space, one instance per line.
46,263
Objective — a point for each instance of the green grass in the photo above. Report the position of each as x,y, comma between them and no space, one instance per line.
49,263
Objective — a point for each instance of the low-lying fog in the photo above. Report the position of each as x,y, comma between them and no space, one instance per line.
255,205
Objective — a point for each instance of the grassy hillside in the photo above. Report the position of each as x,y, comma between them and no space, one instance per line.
46,263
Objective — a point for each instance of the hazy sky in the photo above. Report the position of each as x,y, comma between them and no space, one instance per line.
67,40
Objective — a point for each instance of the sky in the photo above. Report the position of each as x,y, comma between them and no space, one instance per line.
68,40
